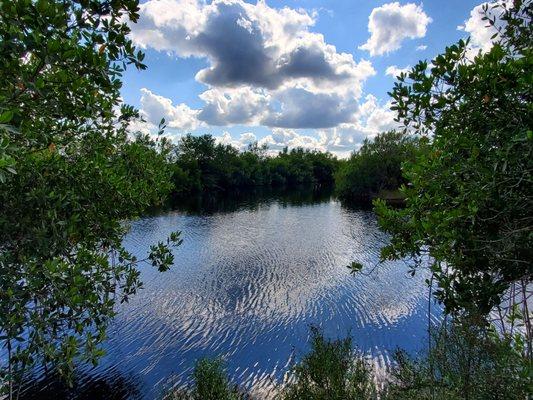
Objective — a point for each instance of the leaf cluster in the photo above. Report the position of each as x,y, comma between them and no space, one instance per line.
71,174
469,197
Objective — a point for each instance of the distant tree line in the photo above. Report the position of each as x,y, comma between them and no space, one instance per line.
201,165
376,169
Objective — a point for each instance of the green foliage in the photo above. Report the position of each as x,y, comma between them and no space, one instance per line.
466,361
210,383
330,371
70,175
470,195
202,165
376,167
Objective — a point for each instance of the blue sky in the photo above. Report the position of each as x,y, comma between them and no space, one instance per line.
294,73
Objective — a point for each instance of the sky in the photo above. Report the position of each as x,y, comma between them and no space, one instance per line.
296,73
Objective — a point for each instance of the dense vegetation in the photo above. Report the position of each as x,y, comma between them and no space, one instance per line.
376,168
470,194
466,361
69,177
202,165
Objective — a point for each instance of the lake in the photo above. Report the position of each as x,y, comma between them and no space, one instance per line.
253,273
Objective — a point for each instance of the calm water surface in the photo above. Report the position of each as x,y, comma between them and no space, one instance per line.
250,277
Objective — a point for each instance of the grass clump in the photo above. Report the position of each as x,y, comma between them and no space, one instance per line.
211,382
467,360
330,371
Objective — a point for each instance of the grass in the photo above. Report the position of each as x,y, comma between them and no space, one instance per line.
330,371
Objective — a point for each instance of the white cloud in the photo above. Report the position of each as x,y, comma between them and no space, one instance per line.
379,118
155,107
246,44
480,31
266,67
395,71
422,47
142,127
241,143
341,140
280,138
234,106
392,23
263,62
370,118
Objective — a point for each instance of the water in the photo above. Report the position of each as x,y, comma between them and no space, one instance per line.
252,274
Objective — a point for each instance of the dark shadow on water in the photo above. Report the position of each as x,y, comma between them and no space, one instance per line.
112,386
251,198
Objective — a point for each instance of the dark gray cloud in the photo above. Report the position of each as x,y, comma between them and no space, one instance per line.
243,48
300,108
265,65
238,53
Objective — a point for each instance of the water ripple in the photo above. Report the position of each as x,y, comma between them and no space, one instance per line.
246,285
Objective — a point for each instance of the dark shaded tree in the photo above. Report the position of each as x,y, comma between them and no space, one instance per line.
202,165
470,195
70,176
376,167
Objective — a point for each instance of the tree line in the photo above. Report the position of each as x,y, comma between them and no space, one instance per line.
201,165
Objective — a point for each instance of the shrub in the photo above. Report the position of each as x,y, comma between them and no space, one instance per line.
331,371
466,361
210,383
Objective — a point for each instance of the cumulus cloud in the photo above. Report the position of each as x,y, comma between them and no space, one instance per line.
342,140
244,140
370,118
390,24
246,44
281,138
155,107
142,127
300,108
395,71
377,118
480,31
236,106
265,65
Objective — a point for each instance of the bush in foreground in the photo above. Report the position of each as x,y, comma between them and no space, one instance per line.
466,360
330,371
210,383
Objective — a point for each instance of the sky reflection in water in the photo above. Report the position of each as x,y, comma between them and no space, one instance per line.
252,274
